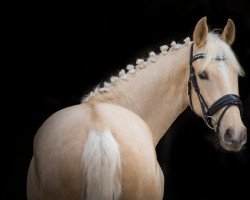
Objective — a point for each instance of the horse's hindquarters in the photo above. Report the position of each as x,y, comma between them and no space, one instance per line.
55,171
59,171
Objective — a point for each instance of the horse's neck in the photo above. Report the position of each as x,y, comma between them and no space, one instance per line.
157,93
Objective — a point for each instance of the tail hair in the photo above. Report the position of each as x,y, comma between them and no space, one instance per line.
102,167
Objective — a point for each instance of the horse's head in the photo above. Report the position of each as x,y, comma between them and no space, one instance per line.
216,72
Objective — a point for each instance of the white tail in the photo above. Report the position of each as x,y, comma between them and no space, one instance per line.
102,164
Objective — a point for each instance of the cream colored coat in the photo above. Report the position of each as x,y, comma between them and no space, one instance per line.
104,148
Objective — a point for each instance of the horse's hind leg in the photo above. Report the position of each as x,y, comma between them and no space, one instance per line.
32,183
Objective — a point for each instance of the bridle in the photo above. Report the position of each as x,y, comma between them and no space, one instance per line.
225,101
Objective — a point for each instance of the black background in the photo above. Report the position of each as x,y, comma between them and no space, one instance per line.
57,52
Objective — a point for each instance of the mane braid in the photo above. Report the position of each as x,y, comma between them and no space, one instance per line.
131,69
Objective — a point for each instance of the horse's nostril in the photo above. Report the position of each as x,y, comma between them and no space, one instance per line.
228,137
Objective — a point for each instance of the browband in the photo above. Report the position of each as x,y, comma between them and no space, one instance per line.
202,55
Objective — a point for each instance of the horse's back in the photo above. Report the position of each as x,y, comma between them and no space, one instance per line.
59,147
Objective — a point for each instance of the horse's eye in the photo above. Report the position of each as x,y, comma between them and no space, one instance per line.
203,75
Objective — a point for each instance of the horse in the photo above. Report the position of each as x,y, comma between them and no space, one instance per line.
104,147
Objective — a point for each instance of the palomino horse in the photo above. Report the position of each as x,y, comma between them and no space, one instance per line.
104,148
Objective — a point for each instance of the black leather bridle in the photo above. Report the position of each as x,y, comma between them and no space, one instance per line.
225,101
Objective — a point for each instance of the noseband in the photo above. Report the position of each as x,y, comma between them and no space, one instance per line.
224,102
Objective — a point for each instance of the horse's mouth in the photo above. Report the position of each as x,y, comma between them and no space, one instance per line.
231,147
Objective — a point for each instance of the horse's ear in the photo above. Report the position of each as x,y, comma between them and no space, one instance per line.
200,32
228,34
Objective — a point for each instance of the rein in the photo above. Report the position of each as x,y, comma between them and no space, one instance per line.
226,101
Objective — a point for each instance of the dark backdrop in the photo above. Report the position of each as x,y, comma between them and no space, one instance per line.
57,52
